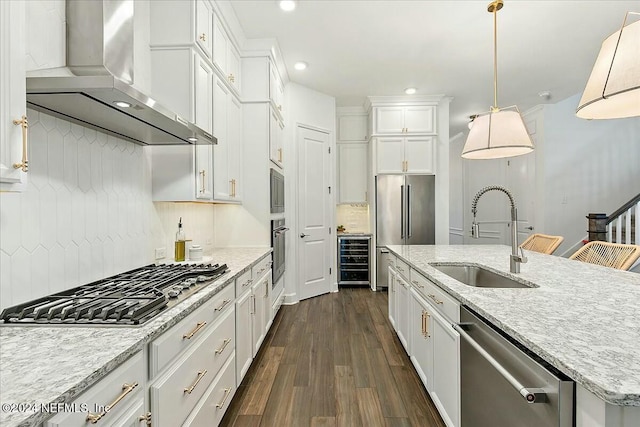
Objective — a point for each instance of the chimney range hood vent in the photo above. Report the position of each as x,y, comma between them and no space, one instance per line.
95,88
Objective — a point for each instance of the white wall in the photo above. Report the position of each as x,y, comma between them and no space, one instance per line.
304,106
591,166
456,190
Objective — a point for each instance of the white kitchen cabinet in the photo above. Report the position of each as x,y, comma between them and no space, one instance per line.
178,23
446,369
175,393
253,316
276,139
225,55
123,389
276,89
244,334
352,127
13,107
261,309
414,154
393,297
402,311
227,120
352,173
416,119
182,173
421,329
182,80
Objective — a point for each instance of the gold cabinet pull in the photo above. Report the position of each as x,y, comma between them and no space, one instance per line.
202,175
224,345
280,155
146,417
201,374
199,326
253,297
415,282
231,78
279,107
203,37
433,297
247,283
126,389
24,165
227,392
426,324
224,303
266,288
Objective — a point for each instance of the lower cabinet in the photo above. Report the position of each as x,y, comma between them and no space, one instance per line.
253,319
402,328
393,296
423,319
422,338
116,400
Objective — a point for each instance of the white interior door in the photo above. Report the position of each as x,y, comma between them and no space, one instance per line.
315,242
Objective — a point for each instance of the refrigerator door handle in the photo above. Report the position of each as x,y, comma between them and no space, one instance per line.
402,211
408,210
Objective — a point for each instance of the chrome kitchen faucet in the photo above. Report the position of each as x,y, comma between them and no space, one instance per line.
516,258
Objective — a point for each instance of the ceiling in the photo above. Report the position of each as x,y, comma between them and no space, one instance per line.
380,47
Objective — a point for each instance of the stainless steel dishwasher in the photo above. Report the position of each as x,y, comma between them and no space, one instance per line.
504,385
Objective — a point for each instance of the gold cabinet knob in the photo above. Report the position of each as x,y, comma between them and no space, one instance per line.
203,37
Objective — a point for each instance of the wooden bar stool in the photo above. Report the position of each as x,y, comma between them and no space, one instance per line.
615,255
542,243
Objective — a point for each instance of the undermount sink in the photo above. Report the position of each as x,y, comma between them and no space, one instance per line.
473,275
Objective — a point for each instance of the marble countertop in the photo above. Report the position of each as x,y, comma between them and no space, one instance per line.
41,364
583,319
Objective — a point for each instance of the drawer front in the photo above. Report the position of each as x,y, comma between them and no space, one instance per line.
211,408
263,265
243,282
127,380
176,393
402,268
164,349
447,305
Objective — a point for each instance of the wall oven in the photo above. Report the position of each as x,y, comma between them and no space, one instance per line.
277,192
278,230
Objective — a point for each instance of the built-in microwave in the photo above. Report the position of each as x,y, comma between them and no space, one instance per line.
277,192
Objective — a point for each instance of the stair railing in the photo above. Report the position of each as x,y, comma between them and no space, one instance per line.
621,219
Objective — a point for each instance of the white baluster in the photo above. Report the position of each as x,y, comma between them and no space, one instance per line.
627,237
619,229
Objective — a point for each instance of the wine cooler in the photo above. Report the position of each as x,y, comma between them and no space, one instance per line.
354,259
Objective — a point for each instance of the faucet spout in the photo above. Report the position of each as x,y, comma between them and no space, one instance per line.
516,257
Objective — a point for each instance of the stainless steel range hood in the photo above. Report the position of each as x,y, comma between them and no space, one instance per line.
95,88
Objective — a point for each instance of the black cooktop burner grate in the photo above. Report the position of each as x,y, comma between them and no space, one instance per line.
129,298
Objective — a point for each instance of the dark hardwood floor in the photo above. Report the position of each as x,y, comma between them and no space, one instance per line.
333,360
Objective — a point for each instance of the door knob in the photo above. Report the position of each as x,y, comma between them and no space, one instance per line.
529,228
302,235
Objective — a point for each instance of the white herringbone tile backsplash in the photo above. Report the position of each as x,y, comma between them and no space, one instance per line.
87,213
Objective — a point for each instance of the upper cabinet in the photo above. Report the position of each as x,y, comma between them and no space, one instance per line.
225,55
204,26
13,120
227,119
276,89
397,154
405,119
352,127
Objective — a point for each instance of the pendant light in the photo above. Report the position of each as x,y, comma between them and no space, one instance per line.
613,89
501,131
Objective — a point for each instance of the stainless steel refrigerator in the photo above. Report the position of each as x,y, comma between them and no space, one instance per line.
405,215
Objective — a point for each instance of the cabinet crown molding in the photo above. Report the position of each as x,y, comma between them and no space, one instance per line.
408,100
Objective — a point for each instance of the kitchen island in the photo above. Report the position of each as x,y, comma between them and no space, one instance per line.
42,366
581,318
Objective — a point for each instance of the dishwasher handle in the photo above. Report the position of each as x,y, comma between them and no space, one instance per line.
531,395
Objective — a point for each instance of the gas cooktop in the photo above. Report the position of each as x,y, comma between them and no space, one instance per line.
126,299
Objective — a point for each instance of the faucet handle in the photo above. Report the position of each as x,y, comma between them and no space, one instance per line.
523,258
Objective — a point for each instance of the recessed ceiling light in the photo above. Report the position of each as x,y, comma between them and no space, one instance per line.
410,90
122,104
287,5
300,66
